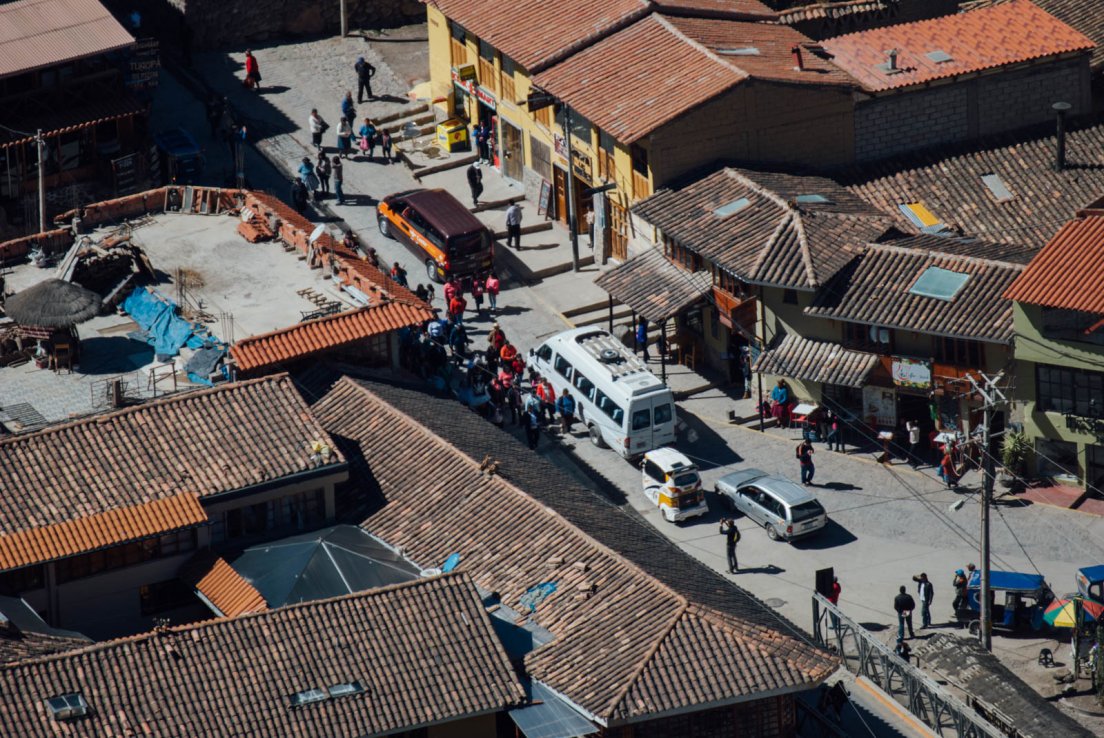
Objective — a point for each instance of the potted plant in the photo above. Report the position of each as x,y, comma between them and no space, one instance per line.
1014,452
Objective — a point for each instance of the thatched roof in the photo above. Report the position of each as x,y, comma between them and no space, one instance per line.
52,304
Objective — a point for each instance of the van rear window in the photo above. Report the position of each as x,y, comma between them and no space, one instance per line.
642,419
663,414
469,244
807,510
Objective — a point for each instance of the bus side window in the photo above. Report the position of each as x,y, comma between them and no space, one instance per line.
563,367
610,408
641,419
585,386
545,352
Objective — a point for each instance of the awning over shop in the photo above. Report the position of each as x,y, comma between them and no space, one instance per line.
550,717
816,361
654,287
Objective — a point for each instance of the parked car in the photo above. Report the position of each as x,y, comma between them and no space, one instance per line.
180,156
785,509
671,481
439,230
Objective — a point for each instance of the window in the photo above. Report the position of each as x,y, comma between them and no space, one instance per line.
867,338
585,386
458,45
664,414
128,554
22,580
642,419
1073,325
610,408
681,255
606,166
728,283
308,697
789,297
304,510
244,522
654,472
1073,391
164,596
957,352
67,706
544,353
487,74
346,689
641,185
508,71
540,158
563,367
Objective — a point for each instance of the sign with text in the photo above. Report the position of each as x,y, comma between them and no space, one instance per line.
144,65
880,406
913,373
485,97
463,80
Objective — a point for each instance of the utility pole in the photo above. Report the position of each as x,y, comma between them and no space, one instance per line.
40,145
571,215
993,397
344,20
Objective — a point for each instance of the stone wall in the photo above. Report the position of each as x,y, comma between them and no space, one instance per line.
961,111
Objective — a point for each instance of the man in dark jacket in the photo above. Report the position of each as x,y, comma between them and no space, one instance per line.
475,182
926,592
904,605
299,195
365,72
732,537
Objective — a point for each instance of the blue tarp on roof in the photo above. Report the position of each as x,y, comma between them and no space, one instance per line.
166,331
1008,580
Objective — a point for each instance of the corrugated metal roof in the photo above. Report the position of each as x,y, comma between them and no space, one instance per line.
268,350
40,33
816,361
73,537
654,287
1069,271
1010,33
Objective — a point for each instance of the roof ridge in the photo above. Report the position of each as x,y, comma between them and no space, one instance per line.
472,463
623,692
213,622
932,253
776,234
806,257
701,48
278,378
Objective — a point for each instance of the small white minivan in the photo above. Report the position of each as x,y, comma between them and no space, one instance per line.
621,403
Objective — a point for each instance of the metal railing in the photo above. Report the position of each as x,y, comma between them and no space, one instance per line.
863,654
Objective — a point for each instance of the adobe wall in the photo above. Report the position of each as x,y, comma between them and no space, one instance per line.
960,111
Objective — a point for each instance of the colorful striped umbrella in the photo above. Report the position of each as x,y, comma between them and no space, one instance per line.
1063,613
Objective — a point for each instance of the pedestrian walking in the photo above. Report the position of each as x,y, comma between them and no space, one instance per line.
904,605
513,226
323,169
835,432
547,395
475,182
385,145
338,178
745,370
947,469
456,307
367,135
317,128
298,195
913,428
478,287
926,592
960,582
492,287
532,427
252,72
310,179
804,455
483,141
215,109
452,289
398,274
566,406
732,537
348,108
642,337
834,599
344,137
364,72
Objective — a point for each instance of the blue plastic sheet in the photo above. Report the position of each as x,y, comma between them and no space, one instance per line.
157,316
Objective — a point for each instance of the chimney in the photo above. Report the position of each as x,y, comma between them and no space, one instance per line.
1061,108
891,60
115,394
799,63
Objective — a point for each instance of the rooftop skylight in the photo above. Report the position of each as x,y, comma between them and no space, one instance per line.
942,284
308,697
939,56
742,51
813,199
732,208
997,187
68,706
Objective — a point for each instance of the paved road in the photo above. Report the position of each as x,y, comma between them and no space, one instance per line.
888,522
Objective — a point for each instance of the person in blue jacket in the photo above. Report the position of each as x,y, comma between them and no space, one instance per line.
566,406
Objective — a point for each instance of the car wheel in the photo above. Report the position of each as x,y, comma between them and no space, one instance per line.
384,226
596,437
431,270
772,533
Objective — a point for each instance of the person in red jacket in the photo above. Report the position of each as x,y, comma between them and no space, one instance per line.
492,286
477,287
452,289
456,308
547,397
252,72
497,339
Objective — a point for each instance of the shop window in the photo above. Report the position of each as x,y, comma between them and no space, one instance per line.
540,155
509,69
1071,391
1073,325
789,297
957,352
681,255
22,580
161,597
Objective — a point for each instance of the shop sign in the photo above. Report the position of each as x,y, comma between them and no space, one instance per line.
464,77
582,165
144,65
485,97
913,373
880,406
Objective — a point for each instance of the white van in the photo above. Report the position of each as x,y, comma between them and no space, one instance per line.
623,405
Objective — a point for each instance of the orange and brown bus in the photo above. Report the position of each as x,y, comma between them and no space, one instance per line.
438,229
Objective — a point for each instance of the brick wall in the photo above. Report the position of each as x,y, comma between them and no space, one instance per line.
908,121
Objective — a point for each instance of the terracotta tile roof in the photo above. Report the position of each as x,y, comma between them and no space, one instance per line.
269,350
203,442
72,537
948,183
1077,249
425,652
1005,34
222,587
69,118
40,33
1084,16
776,239
742,9
817,361
600,653
624,83
654,287
875,290
24,635
521,30
817,11
1012,253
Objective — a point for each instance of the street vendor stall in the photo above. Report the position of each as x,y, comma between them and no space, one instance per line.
46,316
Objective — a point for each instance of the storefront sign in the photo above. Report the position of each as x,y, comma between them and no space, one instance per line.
880,406
144,65
582,165
464,77
485,97
912,373
125,170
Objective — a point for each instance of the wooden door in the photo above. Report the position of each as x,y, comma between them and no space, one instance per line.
619,231
559,185
511,151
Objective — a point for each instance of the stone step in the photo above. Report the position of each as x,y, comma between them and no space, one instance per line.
425,123
404,113
601,317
